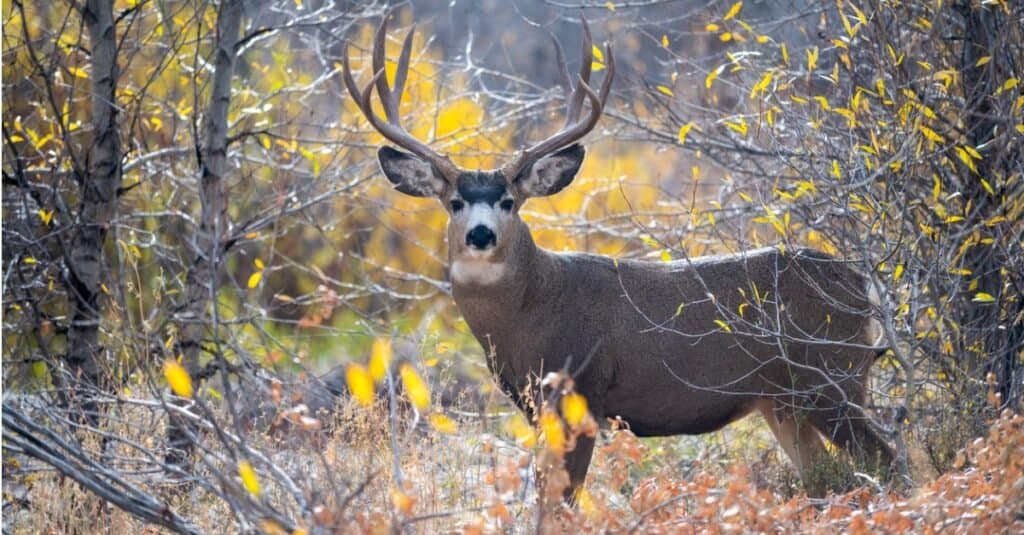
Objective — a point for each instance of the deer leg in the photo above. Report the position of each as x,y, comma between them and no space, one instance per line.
798,438
855,435
577,462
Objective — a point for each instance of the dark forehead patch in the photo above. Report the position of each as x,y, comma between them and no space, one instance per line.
481,186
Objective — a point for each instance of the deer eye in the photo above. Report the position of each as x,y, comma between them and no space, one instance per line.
506,205
457,205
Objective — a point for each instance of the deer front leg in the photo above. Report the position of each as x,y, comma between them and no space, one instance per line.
577,462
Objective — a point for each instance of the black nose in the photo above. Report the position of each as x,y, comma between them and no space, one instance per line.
481,237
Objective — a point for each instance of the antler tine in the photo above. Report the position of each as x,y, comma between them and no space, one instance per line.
586,65
563,70
606,84
574,128
390,98
402,72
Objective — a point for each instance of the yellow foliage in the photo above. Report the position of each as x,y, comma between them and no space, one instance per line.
380,359
521,431
442,423
415,387
574,408
553,431
249,479
360,384
178,378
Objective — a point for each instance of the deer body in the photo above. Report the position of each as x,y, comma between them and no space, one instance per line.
681,347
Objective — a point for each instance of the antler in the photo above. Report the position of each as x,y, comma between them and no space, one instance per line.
392,129
574,127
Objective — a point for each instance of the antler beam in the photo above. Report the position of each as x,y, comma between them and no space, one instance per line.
574,128
390,98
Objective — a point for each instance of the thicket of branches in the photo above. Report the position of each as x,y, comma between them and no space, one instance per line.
191,217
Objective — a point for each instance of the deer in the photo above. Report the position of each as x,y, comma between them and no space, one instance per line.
669,348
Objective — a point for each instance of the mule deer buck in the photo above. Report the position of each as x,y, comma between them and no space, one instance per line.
681,347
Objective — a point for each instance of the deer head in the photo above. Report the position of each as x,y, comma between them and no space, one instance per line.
483,205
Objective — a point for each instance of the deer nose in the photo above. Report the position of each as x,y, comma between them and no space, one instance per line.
481,237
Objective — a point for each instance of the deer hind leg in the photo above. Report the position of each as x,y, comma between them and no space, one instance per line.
798,438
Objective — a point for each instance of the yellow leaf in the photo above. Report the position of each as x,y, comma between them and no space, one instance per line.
443,423
46,216
523,432
733,11
380,359
258,263
665,90
930,134
897,273
254,279
598,55
738,126
965,157
610,6
725,37
415,388
683,131
574,408
360,384
982,297
712,27
982,60
762,84
710,78
442,347
836,172
812,58
723,325
178,378
77,72
649,241
249,480
785,53
28,260
554,433
664,41
665,255
988,187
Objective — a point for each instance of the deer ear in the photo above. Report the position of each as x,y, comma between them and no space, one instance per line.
409,174
550,174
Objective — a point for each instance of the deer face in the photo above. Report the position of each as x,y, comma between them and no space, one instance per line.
483,206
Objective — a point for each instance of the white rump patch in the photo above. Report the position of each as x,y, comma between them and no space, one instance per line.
477,271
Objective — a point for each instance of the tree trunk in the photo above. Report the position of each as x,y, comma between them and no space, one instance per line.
200,290
992,335
98,201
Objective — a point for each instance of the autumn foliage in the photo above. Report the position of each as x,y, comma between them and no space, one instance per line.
143,291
